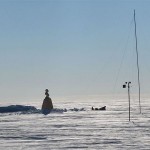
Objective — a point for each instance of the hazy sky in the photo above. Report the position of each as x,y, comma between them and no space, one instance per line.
72,47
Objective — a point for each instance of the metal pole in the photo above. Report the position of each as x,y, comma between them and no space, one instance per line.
137,64
124,86
129,97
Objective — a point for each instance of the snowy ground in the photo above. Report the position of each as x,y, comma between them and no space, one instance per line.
78,128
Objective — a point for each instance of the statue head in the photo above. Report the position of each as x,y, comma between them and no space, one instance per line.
46,93
46,90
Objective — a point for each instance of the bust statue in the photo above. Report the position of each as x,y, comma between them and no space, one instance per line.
46,93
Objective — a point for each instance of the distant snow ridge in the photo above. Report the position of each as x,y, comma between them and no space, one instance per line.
65,110
16,108
22,109
77,109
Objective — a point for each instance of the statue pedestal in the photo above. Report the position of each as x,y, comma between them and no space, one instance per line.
47,105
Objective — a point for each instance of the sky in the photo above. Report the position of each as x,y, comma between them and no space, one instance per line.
72,47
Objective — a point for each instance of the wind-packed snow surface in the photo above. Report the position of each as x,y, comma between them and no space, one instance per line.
73,125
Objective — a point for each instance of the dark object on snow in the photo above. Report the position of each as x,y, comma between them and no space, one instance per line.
102,108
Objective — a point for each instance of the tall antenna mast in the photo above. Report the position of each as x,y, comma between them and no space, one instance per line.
137,64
